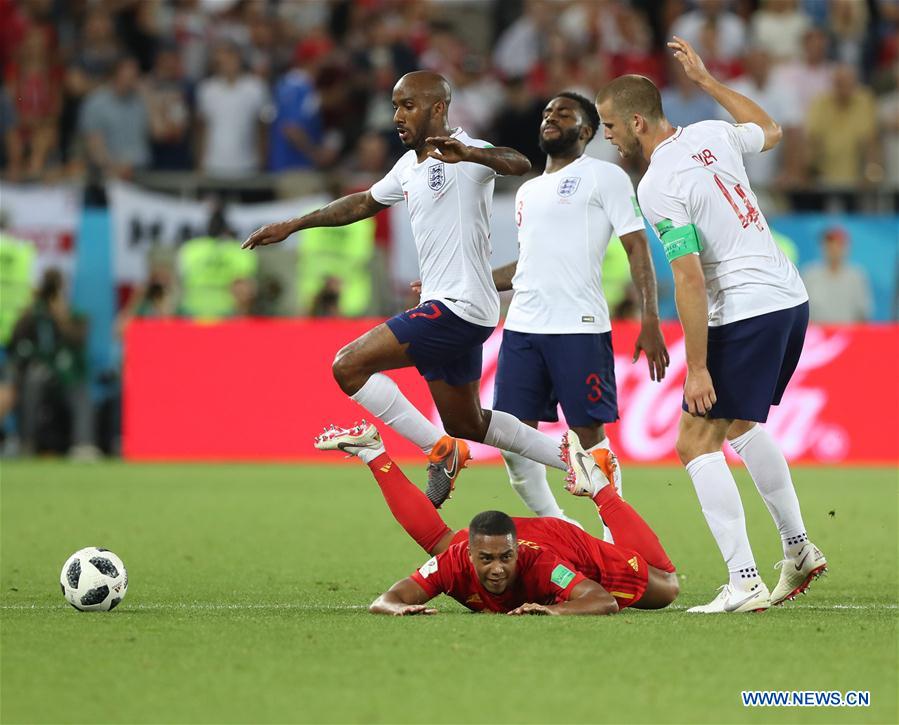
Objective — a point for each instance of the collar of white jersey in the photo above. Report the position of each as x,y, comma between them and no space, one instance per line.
569,164
680,130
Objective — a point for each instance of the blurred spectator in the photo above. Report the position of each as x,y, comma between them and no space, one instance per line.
35,83
518,48
683,102
297,133
444,51
326,302
888,116
764,169
156,298
729,30
116,125
848,24
838,291
476,97
841,129
7,129
518,122
230,111
244,292
778,27
721,63
209,266
48,352
806,78
168,105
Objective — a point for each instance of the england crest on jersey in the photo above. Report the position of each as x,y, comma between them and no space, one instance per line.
436,177
568,185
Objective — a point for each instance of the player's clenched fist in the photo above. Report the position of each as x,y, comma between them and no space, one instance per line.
269,234
699,392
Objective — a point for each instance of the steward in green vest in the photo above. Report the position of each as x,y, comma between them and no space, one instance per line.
209,266
16,269
343,253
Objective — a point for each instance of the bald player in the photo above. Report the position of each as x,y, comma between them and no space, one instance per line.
743,308
446,180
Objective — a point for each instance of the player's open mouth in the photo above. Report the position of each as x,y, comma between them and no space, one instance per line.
403,133
554,130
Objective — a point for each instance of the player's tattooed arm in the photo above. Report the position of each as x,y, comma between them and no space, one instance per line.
502,276
693,310
503,160
743,109
587,597
402,599
650,339
338,213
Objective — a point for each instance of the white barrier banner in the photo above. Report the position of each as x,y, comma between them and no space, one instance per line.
49,217
143,219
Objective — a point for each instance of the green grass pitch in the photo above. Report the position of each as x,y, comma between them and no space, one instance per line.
249,586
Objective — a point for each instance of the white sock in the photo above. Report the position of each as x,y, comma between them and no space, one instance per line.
606,531
769,470
381,397
367,455
510,434
723,511
528,479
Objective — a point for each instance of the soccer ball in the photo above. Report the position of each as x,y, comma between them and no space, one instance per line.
94,580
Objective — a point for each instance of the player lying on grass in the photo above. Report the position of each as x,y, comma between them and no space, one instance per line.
524,565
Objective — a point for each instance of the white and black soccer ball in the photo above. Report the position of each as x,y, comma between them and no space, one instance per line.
94,580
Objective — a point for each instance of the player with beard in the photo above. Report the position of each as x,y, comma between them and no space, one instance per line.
557,340
446,179
743,308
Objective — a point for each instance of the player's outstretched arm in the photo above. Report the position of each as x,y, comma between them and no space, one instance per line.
736,104
650,340
693,310
342,211
503,160
402,599
587,597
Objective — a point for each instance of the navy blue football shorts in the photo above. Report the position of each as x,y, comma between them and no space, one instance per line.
538,372
752,360
442,345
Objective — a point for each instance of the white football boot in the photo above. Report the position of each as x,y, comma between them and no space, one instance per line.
758,599
349,440
797,574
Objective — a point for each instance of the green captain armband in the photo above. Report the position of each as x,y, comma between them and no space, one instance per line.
678,241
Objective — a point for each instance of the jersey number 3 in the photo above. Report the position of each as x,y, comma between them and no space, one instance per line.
752,214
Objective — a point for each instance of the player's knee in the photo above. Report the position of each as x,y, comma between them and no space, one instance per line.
346,371
462,429
673,589
686,449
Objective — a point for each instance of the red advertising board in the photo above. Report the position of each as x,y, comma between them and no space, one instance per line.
262,389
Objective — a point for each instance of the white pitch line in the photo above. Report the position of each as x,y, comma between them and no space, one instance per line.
201,606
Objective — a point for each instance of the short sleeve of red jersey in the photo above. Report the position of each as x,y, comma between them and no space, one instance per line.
553,578
435,575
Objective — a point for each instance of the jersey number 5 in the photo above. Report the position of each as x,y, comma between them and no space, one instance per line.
752,214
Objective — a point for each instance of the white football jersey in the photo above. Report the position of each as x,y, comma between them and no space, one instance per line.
450,207
565,220
697,177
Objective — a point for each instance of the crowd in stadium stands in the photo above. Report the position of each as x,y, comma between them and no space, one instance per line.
279,98
234,88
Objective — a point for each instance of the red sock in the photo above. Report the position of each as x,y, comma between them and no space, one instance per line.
408,504
629,528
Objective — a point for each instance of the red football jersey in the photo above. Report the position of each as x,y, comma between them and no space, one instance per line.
620,571
542,577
